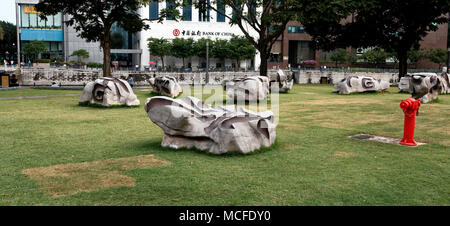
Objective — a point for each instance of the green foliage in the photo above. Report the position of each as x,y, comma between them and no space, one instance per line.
241,49
93,19
375,56
81,53
47,61
159,47
437,55
269,23
94,65
33,48
339,56
182,48
8,38
394,25
221,49
200,47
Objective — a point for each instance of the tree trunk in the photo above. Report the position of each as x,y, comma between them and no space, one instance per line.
106,45
403,63
183,63
162,61
263,67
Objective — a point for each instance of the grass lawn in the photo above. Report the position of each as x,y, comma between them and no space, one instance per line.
312,162
36,92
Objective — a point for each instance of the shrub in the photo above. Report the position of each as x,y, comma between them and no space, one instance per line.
43,61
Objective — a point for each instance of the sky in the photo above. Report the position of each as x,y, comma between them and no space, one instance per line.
7,11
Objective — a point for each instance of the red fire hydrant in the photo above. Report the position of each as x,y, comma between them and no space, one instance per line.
410,107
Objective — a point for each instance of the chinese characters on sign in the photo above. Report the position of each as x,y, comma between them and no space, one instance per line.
177,32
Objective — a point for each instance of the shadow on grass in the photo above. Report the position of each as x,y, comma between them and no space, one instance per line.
156,145
91,105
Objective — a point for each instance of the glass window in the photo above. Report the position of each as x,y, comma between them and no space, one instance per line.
236,14
187,10
203,10
24,18
292,29
33,19
170,5
57,20
220,11
41,23
154,9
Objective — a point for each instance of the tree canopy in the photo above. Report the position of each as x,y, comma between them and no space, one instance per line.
93,19
33,48
8,38
393,25
81,53
159,47
182,48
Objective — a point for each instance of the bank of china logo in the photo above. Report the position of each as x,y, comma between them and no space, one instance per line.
176,32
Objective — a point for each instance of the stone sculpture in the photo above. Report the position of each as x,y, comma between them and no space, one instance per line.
109,91
359,84
255,88
166,85
192,123
427,86
285,82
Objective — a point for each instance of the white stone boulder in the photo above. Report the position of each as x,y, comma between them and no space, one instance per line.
109,91
166,85
403,84
285,82
255,88
427,86
191,123
359,84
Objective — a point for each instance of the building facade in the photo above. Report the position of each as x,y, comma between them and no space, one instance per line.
61,40
292,48
196,24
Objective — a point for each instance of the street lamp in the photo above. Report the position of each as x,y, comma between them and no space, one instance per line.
207,61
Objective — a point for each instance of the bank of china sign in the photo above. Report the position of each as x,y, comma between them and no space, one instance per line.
177,32
29,9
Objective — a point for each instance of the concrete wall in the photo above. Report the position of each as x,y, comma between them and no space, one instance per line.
314,77
44,77
74,77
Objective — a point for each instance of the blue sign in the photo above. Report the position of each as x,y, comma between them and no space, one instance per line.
41,35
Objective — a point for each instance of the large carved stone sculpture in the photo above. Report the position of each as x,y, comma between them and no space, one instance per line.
166,85
109,91
359,84
285,82
427,86
254,88
192,123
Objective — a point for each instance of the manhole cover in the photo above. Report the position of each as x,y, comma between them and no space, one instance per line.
387,140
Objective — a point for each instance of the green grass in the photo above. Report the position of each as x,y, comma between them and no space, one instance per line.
312,162
36,92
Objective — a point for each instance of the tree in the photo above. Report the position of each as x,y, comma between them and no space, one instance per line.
93,19
8,38
81,53
339,56
221,49
159,47
268,18
241,49
182,48
394,25
437,55
200,47
33,48
375,56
